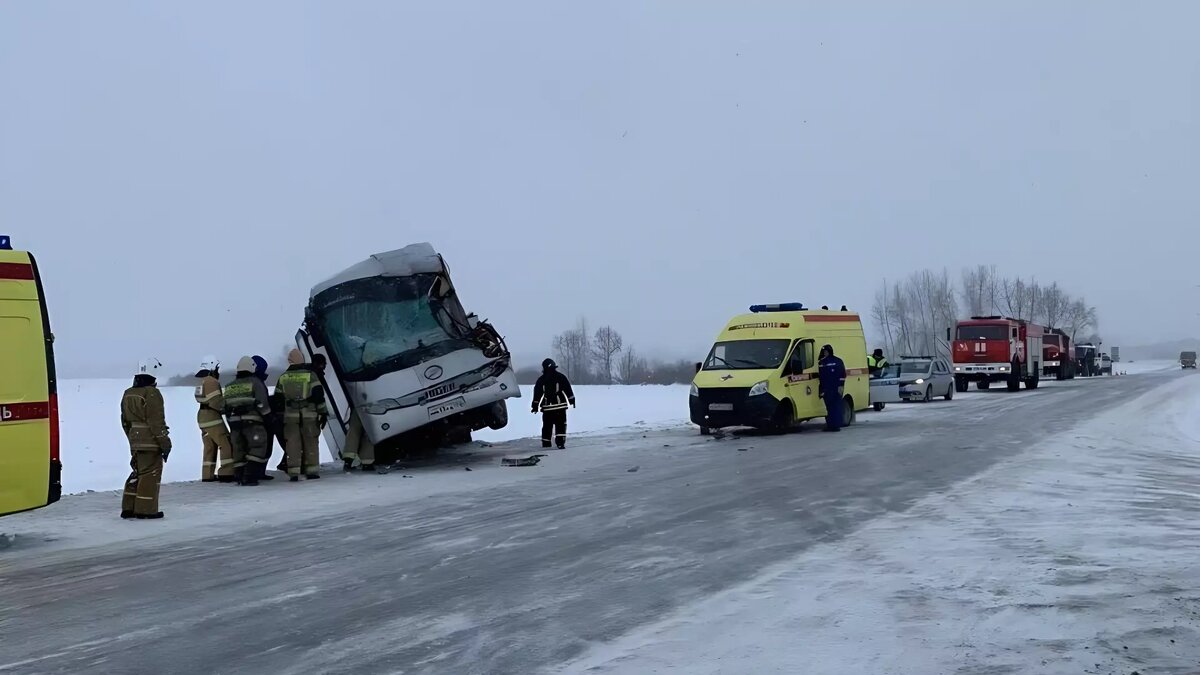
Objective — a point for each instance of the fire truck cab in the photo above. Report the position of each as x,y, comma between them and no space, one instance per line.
1058,357
991,349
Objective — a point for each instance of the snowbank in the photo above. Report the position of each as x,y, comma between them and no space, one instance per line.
96,457
1077,556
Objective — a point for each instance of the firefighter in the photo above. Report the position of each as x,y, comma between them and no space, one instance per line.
274,420
217,461
358,446
304,415
247,407
144,419
832,387
551,395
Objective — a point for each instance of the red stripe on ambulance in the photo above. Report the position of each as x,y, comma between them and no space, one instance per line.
19,412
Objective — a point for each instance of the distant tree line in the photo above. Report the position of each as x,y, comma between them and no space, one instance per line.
275,365
911,316
602,357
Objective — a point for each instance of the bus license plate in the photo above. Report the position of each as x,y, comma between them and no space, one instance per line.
721,407
448,406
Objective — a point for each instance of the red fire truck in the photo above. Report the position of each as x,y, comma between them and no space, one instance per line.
991,349
1058,355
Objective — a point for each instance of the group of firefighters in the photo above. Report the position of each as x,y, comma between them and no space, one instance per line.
238,424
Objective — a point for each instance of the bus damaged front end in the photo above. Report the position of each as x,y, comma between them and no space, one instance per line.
406,357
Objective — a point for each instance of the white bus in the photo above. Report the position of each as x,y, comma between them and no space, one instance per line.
405,355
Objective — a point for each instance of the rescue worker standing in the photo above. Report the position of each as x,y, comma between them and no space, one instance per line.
304,415
247,408
832,386
217,461
144,419
273,421
876,362
551,395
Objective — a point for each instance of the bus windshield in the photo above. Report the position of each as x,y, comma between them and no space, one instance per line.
382,324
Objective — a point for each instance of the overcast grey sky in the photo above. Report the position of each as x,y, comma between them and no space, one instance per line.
185,172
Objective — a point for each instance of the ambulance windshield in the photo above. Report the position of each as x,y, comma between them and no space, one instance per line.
747,355
381,324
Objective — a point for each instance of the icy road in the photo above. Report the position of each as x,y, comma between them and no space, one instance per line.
979,535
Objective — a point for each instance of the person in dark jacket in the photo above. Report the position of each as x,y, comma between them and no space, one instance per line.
832,387
551,396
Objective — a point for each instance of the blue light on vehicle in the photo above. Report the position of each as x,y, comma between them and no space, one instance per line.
5,242
781,307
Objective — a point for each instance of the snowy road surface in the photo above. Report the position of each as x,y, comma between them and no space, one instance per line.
980,535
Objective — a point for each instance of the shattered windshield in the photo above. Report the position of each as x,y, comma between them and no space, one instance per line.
381,324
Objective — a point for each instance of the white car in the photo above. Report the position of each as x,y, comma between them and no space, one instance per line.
923,378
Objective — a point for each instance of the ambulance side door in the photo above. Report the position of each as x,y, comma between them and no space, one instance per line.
801,374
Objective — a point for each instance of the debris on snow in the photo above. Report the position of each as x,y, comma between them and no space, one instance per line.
531,460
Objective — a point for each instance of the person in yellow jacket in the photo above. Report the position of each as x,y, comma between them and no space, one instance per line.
304,415
248,407
217,462
144,420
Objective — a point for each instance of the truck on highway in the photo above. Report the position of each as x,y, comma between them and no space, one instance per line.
404,355
1057,355
1187,359
989,349
1087,360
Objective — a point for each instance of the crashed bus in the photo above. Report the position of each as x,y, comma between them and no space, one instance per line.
404,355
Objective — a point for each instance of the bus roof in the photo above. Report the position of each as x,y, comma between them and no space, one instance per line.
402,262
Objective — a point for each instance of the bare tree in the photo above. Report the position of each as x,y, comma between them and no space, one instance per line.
1054,306
882,314
632,368
1079,318
605,346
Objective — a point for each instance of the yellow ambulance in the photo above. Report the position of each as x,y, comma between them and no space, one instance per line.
30,471
762,370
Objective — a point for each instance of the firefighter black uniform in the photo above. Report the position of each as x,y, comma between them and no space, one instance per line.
247,408
551,395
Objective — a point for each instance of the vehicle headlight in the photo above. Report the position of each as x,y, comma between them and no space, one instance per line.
695,390
919,381
1003,368
381,407
759,389
957,369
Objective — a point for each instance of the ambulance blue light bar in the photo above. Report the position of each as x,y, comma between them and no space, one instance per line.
781,307
5,242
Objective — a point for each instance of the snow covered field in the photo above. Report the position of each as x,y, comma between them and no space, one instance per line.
96,457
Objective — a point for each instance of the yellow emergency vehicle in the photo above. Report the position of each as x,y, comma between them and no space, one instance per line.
762,370
30,471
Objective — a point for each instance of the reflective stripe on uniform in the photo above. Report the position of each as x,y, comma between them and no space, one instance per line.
212,424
